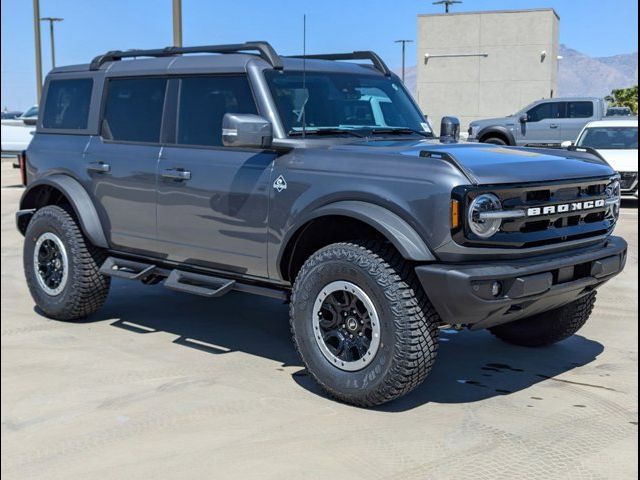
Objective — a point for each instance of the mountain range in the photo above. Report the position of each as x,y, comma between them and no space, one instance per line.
582,75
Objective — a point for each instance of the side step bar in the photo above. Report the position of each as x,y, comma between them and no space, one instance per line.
197,284
189,282
127,269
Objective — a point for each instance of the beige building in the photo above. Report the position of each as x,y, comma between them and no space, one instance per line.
485,64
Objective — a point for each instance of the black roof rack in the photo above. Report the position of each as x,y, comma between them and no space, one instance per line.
378,63
264,49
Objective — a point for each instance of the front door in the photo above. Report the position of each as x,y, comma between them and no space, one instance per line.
122,162
213,201
542,126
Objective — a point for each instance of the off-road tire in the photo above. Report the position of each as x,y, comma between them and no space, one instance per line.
86,289
548,327
408,322
494,141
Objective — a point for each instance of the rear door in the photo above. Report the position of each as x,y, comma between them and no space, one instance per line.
122,161
542,126
213,201
578,114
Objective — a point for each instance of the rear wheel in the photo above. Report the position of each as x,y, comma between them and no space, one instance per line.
548,327
361,323
62,267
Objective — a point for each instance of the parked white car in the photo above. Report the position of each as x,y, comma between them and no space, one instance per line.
617,141
15,138
29,117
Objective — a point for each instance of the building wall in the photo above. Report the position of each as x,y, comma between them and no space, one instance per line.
512,75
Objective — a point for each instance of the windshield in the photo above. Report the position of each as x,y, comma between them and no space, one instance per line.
610,138
32,112
334,102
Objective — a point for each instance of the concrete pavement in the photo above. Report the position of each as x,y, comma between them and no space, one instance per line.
166,385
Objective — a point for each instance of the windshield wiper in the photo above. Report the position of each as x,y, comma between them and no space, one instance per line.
326,131
400,131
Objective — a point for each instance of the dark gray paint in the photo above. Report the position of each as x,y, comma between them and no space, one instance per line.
228,217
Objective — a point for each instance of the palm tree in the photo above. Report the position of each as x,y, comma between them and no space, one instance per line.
624,97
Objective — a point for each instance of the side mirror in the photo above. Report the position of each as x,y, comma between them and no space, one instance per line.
246,130
524,118
566,144
449,130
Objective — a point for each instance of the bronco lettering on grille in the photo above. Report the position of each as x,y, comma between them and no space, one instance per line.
565,208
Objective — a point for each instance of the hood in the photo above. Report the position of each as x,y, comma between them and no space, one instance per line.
485,164
488,122
621,160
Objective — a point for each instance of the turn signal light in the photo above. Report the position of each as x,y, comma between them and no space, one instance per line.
455,214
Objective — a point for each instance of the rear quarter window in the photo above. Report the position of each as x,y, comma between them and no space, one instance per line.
67,104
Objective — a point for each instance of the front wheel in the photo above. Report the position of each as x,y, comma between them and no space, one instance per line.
62,267
494,141
362,324
548,327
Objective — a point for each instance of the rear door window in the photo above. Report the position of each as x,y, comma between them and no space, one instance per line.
203,102
67,104
579,109
133,110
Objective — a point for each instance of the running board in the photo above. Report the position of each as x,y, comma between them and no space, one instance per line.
127,269
203,285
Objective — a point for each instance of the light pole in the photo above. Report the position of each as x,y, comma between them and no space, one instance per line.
404,43
177,23
447,4
36,32
53,45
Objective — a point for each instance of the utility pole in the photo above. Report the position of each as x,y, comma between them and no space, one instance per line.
177,23
36,32
404,43
447,4
53,45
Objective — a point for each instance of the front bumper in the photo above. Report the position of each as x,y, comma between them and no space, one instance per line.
462,293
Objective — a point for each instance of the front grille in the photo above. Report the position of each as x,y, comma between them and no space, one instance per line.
628,180
545,228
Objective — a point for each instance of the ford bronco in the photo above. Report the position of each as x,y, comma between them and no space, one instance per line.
314,180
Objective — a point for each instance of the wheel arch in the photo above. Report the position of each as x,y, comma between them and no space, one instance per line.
54,190
374,221
497,131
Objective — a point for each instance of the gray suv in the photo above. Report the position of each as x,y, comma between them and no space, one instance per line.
315,181
545,123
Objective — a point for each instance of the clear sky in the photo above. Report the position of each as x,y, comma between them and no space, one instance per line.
91,27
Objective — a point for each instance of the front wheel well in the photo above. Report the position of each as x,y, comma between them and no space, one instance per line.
495,134
318,233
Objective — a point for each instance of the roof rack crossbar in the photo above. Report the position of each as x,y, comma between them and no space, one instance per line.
378,63
264,49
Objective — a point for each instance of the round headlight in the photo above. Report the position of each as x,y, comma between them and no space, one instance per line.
484,228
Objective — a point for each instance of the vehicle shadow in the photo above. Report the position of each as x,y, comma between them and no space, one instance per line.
471,366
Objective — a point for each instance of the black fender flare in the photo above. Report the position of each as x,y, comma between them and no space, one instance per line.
402,235
503,131
79,199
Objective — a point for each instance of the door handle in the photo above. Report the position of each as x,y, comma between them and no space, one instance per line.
100,167
176,174
553,125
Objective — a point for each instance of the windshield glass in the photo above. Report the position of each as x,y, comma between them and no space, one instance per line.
32,112
337,101
610,138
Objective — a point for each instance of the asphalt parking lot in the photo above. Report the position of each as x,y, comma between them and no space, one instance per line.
166,385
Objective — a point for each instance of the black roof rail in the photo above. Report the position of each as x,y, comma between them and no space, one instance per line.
378,63
264,49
